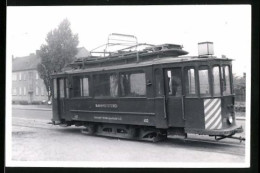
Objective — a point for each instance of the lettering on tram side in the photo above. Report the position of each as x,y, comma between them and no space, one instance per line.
106,105
108,118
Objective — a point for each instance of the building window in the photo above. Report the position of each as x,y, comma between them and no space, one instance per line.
42,91
20,76
189,77
216,81
30,75
20,91
14,91
204,81
133,84
24,91
106,85
24,76
14,76
37,75
37,91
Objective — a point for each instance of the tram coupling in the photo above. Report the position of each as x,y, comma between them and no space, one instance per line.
240,138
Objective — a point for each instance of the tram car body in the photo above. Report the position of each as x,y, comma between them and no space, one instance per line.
147,94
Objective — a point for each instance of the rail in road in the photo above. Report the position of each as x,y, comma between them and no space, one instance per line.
193,139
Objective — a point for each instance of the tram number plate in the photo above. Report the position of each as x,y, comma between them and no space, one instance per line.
106,105
146,120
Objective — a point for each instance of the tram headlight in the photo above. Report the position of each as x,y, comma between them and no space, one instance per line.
230,119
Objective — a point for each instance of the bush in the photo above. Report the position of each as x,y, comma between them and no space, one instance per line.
23,102
36,102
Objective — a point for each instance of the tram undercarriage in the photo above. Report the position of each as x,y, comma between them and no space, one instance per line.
144,133
125,131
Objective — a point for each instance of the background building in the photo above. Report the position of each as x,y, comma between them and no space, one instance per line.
27,86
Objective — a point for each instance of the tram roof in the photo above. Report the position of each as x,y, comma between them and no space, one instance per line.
157,61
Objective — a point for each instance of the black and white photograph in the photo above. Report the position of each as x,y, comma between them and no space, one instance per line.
158,86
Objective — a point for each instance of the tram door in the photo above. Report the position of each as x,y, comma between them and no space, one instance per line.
61,96
174,96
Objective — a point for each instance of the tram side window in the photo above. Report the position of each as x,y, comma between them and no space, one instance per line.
61,89
81,86
67,88
204,80
106,85
55,88
216,81
84,87
175,83
113,85
133,84
190,87
158,83
226,80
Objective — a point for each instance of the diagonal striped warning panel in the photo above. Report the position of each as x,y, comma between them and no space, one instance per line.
212,112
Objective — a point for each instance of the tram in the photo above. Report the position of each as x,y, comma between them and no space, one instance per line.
147,94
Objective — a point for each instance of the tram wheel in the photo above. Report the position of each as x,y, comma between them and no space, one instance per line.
89,129
152,134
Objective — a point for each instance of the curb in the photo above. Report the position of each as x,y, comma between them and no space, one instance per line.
42,109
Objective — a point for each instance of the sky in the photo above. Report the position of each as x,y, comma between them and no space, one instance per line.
227,26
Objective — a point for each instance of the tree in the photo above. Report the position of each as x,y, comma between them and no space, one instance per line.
59,51
239,87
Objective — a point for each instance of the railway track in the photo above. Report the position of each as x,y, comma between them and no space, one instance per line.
242,145
30,123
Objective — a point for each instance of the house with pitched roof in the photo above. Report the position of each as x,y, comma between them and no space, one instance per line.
27,86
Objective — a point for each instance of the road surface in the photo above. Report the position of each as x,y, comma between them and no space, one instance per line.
33,139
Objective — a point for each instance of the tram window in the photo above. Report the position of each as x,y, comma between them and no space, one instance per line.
55,88
158,83
81,86
84,87
106,85
133,84
169,81
76,86
204,81
190,88
216,81
67,87
226,80
174,78
113,85
61,89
